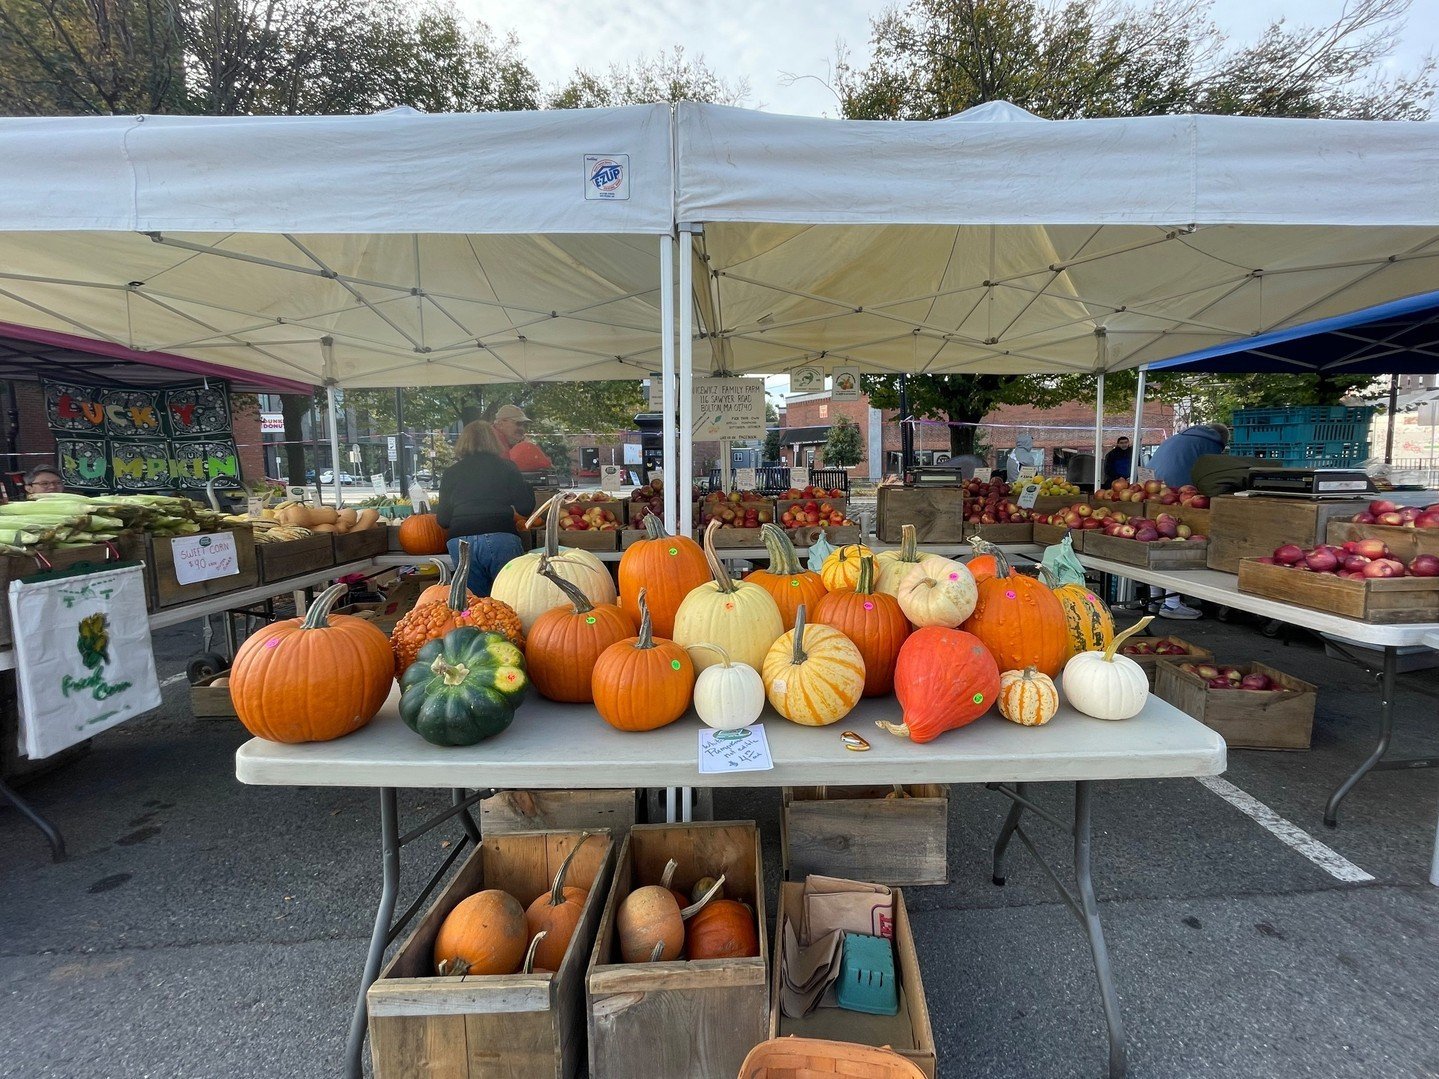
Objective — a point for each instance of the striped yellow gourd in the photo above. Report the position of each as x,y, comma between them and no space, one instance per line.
1027,697
813,675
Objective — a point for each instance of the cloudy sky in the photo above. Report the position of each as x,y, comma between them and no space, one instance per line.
761,39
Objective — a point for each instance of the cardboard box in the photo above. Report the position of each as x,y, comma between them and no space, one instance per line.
1385,600
1278,719
862,833
1251,527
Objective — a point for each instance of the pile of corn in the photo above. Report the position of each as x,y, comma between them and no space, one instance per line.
63,520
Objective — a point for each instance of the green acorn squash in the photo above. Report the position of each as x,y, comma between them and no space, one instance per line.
463,687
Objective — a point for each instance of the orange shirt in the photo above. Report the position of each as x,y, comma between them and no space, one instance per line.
528,457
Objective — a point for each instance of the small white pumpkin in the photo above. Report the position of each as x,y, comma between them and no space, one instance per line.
728,695
1105,685
938,592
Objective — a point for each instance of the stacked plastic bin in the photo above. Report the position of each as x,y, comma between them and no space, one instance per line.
1312,436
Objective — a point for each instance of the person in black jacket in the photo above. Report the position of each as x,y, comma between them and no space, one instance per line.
1116,461
479,497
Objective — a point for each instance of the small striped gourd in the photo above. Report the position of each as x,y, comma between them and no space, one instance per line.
1027,697
813,675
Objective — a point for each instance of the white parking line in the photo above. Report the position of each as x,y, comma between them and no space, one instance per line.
1326,858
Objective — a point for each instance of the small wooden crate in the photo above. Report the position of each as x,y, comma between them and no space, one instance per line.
860,833
1251,527
1278,719
497,1025
838,535
1050,503
169,592
1385,600
392,536
211,702
908,1033
680,1018
543,811
1151,664
630,536
1404,543
357,546
937,513
612,506
588,539
1001,533
1160,555
1048,535
281,561
734,537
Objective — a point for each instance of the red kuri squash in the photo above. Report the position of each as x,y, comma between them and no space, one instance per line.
944,678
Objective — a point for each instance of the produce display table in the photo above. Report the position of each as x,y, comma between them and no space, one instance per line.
553,745
1223,589
748,554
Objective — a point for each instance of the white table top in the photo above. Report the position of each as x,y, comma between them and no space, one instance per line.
568,746
1223,588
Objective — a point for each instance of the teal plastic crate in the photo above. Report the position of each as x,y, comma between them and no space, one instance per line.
867,982
1257,417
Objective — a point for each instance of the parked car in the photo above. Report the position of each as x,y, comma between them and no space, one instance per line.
328,477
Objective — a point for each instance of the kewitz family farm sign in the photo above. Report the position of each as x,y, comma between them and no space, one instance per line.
124,438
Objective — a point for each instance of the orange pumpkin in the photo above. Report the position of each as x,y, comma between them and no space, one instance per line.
420,626
787,582
484,934
556,915
982,564
311,679
420,533
667,568
565,642
1020,621
724,929
873,621
644,682
651,921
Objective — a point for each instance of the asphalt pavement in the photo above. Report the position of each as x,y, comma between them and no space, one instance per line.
204,928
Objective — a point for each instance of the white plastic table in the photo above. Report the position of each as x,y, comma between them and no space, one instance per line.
569,746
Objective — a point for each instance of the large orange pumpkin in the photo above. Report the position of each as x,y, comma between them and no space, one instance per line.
645,682
667,568
788,582
873,621
943,679
484,934
565,642
420,533
1020,621
311,679
982,564
418,627
556,914
724,929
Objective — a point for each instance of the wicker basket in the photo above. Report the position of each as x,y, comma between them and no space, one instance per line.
806,1058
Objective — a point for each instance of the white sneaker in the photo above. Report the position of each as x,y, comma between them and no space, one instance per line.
1179,610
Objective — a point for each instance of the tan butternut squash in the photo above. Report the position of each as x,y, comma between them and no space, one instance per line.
345,520
366,519
323,515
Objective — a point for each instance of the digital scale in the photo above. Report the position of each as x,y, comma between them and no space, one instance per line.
1309,482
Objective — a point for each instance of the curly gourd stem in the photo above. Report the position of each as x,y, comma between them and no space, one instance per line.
557,890
783,558
724,656
908,543
699,905
655,528
459,584
657,951
900,729
318,616
667,878
799,653
444,568
1130,632
721,576
529,967
980,545
572,591
865,585
645,638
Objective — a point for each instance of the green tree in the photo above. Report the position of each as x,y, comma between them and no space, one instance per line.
844,447
666,76
772,445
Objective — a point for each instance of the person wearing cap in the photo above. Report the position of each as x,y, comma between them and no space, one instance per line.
512,425
43,480
479,496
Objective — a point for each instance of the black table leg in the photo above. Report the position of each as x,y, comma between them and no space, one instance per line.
389,892
51,833
1386,730
459,797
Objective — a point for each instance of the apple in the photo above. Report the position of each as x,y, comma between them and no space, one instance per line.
1199,537
1199,502
1424,565
1371,548
1219,683
1321,561
1410,514
1256,681
1207,670
1382,506
1119,484
1390,518
1288,554
1153,487
1427,519
1363,517
1383,567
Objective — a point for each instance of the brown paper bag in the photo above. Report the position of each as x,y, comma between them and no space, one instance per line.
851,906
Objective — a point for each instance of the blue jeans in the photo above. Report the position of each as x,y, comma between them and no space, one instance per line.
488,554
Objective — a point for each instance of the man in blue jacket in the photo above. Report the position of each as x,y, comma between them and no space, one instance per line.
1173,463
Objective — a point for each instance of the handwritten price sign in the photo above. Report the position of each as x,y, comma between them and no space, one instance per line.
205,557
744,750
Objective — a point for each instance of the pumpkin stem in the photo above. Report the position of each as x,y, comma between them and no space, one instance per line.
697,906
453,968
900,729
318,616
1048,576
899,791
540,511
725,661
721,576
865,585
572,592
529,967
646,636
659,950
979,545
667,878
655,528
552,526
443,567
908,543
799,654
557,890
783,558
453,673
1121,638
459,584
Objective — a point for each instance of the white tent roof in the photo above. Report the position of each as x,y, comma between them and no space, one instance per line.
431,249
983,244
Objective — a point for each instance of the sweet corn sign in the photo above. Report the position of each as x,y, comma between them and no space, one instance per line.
129,438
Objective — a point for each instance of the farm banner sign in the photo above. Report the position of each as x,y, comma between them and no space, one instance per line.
123,438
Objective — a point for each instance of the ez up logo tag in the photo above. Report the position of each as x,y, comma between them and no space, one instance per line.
607,176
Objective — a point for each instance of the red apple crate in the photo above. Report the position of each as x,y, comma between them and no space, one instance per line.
1194,653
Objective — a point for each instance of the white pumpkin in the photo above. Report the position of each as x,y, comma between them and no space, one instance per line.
892,567
728,695
938,592
520,584
1106,685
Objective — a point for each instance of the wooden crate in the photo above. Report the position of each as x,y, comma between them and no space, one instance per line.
630,536
1151,664
611,505
15,566
497,1025
707,509
1199,521
782,504
1161,555
1050,503
292,558
1001,533
392,535
1382,600
908,1032
1405,543
1244,527
587,540
169,592
937,513
1133,509
211,702
680,1018
1279,719
544,811
1048,535
733,537
838,535
861,834
356,546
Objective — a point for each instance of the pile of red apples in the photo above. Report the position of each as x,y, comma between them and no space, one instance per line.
990,504
1356,560
1382,512
1217,677
1121,490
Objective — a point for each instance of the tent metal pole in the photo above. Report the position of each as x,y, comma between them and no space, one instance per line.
1098,428
1138,424
402,479
1389,434
669,441
685,302
327,355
